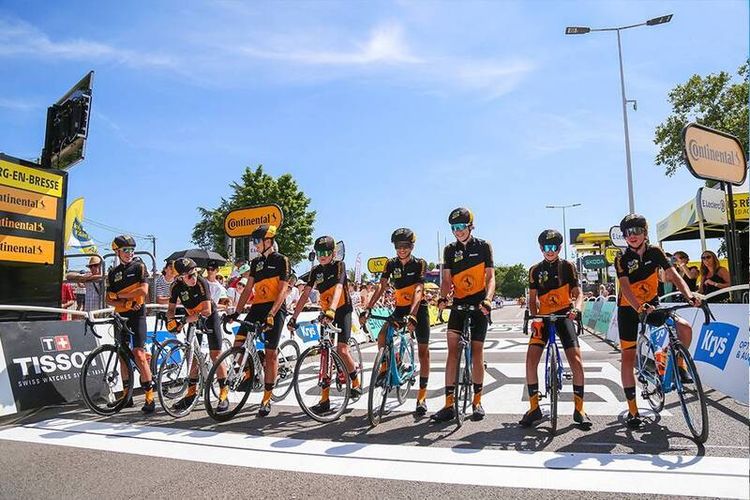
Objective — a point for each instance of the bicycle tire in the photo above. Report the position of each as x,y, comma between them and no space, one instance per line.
406,379
553,388
175,365
378,395
163,348
333,357
356,354
235,375
651,387
288,354
699,429
468,389
97,388
459,387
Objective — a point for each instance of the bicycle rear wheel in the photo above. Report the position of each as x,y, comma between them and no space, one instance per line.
378,392
287,354
553,387
102,376
651,386
160,352
406,367
239,383
691,395
319,369
172,380
459,390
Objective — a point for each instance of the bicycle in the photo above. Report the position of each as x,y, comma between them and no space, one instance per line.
101,373
322,364
244,367
554,371
398,357
463,387
658,371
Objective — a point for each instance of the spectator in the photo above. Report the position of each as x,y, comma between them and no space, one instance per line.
163,283
218,292
294,293
354,294
68,299
713,277
689,274
93,283
603,293
80,290
233,294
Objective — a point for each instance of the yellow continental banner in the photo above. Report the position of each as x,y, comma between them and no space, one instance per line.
22,202
741,206
244,221
16,249
31,179
377,264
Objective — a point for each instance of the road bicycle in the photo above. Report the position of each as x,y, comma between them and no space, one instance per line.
463,386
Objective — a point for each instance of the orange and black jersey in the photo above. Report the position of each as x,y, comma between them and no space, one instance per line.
268,273
325,278
126,278
191,297
405,278
642,272
553,282
467,264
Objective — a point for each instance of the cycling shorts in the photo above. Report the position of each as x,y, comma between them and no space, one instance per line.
478,323
566,332
423,321
213,330
258,313
343,321
136,322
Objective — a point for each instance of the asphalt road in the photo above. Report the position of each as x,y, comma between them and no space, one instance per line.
69,452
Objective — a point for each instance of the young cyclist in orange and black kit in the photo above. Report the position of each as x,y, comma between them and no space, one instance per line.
637,273
467,268
329,278
554,289
269,273
407,274
194,294
127,288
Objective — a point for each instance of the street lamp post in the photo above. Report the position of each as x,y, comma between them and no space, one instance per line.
565,228
582,30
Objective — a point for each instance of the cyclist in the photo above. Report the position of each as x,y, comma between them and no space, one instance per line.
554,289
267,278
329,278
194,293
127,289
468,268
407,273
637,273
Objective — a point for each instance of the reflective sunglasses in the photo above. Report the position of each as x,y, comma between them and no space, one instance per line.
459,227
190,275
324,253
635,231
706,257
257,241
551,248
128,250
403,245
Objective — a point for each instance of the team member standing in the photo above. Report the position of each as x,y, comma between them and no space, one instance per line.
407,274
329,278
469,269
127,289
267,281
554,289
637,273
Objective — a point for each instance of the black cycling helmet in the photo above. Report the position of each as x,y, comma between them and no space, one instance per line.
123,241
633,220
461,215
550,237
183,265
324,244
403,234
263,232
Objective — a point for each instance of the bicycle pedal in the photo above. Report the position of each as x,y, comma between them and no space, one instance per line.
568,375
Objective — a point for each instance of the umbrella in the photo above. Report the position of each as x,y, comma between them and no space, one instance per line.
201,257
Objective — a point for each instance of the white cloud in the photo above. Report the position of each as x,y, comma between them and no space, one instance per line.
17,104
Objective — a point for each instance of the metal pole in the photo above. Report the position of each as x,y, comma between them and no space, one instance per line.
734,263
565,231
631,201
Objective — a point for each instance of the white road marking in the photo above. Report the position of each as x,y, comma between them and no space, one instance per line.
515,345
632,473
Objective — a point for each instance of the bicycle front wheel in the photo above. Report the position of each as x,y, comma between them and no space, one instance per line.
103,379
406,367
239,384
553,387
651,386
317,385
172,380
460,387
691,395
288,354
377,395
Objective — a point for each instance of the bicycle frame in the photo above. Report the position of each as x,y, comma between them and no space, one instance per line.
669,381
396,379
325,344
552,344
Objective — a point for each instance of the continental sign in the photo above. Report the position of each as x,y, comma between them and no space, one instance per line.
377,264
30,179
30,250
21,202
244,221
715,155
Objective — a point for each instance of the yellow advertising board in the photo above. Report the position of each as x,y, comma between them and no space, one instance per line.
740,206
243,221
30,179
18,201
18,249
611,254
712,154
377,264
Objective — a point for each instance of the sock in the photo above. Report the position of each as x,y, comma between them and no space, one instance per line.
148,390
449,395
630,396
267,394
477,395
578,397
422,394
325,394
192,387
533,396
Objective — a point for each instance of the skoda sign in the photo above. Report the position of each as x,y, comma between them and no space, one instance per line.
594,262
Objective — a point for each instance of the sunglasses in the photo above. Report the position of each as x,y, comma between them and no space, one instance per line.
706,257
635,231
128,250
403,245
257,241
459,227
190,275
551,248
324,253
240,285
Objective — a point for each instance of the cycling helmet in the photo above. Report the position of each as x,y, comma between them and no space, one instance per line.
123,241
633,220
461,215
183,265
403,234
550,237
263,232
324,244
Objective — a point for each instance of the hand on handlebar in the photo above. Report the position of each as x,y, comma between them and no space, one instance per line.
291,324
694,301
231,318
486,307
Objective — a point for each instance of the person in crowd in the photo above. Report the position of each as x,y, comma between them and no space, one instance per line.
233,294
603,293
687,272
218,292
68,299
163,282
714,277
220,279
294,293
92,280
80,290
356,297
665,285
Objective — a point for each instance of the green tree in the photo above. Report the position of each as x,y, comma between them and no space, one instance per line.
718,101
511,281
259,188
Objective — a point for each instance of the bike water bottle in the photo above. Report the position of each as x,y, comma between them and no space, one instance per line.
661,361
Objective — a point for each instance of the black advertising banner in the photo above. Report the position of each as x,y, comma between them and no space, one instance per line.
44,360
32,221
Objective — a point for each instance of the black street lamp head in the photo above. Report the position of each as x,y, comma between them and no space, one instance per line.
659,20
577,30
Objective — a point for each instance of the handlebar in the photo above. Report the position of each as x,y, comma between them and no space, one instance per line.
668,311
253,327
551,317
116,320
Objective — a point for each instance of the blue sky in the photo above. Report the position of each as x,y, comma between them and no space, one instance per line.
388,114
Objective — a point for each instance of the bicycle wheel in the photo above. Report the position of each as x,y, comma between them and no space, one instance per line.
691,395
459,386
318,369
160,351
102,376
288,353
239,383
651,386
377,395
173,379
553,387
405,368
356,353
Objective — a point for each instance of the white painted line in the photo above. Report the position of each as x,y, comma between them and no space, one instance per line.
641,473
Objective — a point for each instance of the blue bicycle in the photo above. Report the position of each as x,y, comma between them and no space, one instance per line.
394,368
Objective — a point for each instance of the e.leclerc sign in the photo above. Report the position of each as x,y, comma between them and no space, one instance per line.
243,221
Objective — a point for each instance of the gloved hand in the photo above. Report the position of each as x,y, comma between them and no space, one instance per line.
330,314
269,321
486,305
291,324
411,322
111,296
230,318
174,326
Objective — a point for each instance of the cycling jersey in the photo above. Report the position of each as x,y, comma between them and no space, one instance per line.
191,297
325,278
268,273
642,273
405,278
127,278
467,264
553,282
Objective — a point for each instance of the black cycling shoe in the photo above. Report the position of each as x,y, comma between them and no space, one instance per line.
633,421
322,407
265,409
478,412
149,407
685,377
380,381
247,383
530,417
421,410
184,403
222,406
582,419
355,393
445,414
116,402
